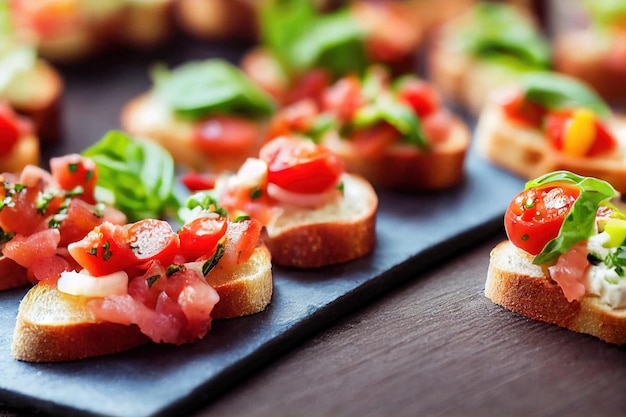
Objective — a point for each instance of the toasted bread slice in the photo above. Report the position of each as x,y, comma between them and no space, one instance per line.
405,167
338,232
586,55
147,117
25,152
516,284
37,94
147,24
219,19
524,151
12,275
53,326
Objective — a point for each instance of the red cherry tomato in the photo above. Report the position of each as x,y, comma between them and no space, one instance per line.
421,96
301,166
372,141
152,240
535,215
9,130
226,134
75,170
520,110
103,251
343,98
199,237
557,123
198,182
311,85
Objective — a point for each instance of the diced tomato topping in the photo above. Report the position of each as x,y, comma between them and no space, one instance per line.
520,110
9,130
19,212
534,216
557,123
104,250
74,170
420,95
199,237
300,165
47,17
152,240
343,98
32,249
226,134
240,241
296,118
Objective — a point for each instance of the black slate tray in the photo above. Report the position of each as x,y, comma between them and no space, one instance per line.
414,233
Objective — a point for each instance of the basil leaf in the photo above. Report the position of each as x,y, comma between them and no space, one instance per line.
200,88
606,12
139,174
557,91
495,29
579,223
397,114
302,38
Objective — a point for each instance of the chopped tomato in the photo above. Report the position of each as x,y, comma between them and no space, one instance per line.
520,110
82,217
343,98
226,134
535,215
298,117
103,251
74,170
556,126
19,212
372,141
301,166
47,17
31,249
198,182
199,237
9,130
420,95
241,239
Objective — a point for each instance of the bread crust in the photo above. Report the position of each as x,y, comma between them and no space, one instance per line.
525,152
336,234
12,275
25,152
52,326
585,55
514,283
147,24
219,19
407,168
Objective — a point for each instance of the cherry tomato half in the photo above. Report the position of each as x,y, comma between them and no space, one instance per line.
199,237
520,110
152,240
535,215
557,123
421,96
301,166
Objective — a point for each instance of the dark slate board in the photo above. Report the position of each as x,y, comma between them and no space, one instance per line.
414,234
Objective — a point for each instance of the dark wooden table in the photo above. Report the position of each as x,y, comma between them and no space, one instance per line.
435,347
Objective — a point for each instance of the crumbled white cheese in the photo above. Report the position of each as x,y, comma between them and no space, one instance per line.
601,280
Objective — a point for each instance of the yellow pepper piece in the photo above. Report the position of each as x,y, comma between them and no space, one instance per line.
616,228
580,133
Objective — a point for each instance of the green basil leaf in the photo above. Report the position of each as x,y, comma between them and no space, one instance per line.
558,91
301,38
579,223
397,114
139,174
494,29
200,88
606,12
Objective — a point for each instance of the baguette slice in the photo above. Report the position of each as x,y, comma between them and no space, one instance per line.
405,167
338,232
145,116
219,19
524,150
37,94
586,55
53,326
147,24
516,284
25,152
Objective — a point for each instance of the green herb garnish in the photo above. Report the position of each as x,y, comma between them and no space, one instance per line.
213,260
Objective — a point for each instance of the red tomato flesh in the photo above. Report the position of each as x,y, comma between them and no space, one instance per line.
421,96
555,127
301,166
199,237
535,215
74,170
152,239
9,130
226,134
520,110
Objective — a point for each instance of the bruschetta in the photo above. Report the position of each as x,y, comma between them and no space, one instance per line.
397,134
19,145
487,47
596,53
563,262
301,47
29,84
143,282
313,213
42,213
207,114
552,122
